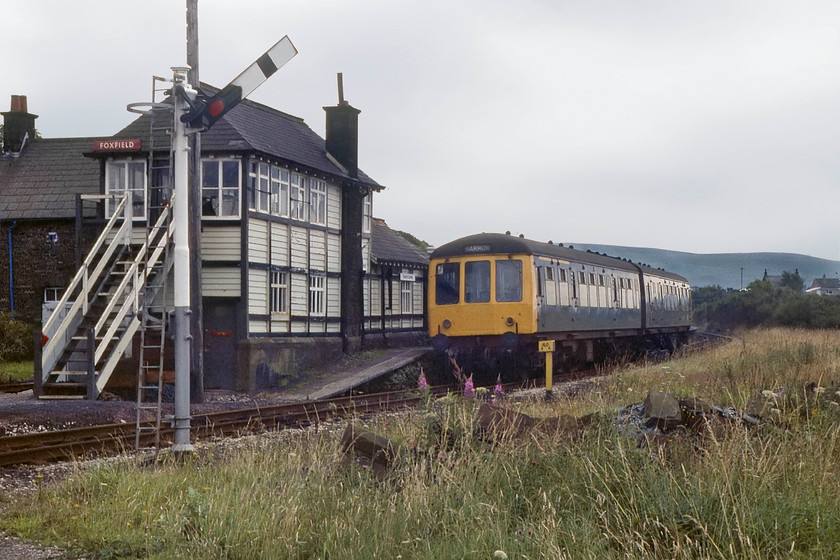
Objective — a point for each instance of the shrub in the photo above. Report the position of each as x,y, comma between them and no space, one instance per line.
15,339
764,305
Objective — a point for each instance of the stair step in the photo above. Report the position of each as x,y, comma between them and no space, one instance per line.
64,385
71,373
45,397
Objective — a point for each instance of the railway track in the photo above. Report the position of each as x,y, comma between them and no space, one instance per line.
16,387
75,443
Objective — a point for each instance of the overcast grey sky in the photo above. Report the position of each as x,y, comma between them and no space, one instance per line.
700,126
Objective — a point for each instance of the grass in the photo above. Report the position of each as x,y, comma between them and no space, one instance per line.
16,371
729,492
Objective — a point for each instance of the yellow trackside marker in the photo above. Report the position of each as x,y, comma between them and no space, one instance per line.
547,347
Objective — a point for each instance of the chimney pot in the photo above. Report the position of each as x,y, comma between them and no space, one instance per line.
19,103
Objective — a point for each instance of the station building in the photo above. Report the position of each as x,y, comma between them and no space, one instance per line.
295,269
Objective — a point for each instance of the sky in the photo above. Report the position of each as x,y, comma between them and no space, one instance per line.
701,126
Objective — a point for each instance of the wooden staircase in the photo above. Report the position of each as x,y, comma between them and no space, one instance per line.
99,314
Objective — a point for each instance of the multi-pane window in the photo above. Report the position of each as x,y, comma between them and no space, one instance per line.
278,191
263,190
220,188
367,213
126,176
297,197
317,201
52,294
316,295
407,297
278,292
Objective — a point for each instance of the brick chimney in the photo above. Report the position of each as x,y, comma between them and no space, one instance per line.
18,124
343,147
343,133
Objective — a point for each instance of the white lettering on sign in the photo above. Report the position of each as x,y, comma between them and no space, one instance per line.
116,145
477,249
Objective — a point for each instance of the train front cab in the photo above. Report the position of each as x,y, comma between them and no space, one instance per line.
483,295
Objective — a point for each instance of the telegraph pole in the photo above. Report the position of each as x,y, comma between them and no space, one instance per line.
197,316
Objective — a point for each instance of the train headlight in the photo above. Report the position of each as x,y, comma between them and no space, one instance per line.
447,323
509,321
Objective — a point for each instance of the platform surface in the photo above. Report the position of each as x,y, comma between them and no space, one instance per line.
339,382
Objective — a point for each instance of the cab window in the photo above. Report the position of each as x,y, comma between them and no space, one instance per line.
477,282
447,283
508,280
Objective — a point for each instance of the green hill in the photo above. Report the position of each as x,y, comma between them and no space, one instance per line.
722,269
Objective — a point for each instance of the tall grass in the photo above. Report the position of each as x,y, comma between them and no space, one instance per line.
727,491
16,371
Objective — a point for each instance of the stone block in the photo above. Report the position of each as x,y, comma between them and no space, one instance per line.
663,409
368,449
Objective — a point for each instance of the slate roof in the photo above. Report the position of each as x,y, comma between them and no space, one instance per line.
42,182
825,284
251,126
389,247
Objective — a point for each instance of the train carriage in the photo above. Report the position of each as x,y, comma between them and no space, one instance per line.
492,293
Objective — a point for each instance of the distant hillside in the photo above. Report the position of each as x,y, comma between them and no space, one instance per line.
722,269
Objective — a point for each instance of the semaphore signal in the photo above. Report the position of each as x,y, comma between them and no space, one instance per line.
205,111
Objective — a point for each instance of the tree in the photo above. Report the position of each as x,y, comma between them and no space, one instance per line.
793,281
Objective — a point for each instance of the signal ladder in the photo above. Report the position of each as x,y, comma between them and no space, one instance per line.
153,314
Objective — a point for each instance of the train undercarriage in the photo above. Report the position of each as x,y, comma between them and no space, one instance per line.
516,357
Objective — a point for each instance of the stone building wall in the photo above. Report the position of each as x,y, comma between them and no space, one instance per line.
43,256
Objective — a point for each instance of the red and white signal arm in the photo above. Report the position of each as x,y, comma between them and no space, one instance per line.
205,113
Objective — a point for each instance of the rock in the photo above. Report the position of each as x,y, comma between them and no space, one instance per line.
496,423
662,409
368,449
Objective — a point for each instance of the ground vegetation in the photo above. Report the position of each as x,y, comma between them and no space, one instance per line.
728,489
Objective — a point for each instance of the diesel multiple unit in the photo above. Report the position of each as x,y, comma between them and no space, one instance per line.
492,292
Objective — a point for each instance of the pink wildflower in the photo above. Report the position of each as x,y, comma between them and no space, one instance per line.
469,388
422,384
497,390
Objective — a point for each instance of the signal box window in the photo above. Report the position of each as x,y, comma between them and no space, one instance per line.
318,201
316,295
477,282
297,195
448,283
220,188
126,177
508,280
278,291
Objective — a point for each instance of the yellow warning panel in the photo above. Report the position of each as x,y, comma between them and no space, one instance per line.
546,345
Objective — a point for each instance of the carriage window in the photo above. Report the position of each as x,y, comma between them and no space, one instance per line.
562,275
447,283
477,282
508,280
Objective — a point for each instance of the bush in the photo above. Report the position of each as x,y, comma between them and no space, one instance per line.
15,339
764,305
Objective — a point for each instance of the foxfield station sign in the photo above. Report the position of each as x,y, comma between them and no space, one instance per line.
116,145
